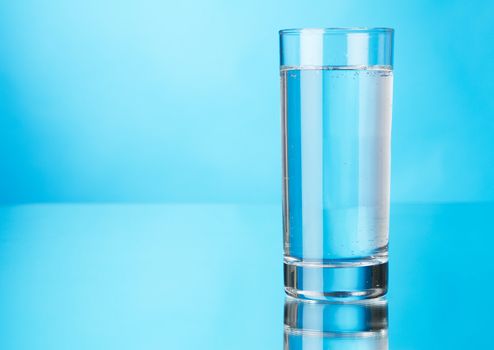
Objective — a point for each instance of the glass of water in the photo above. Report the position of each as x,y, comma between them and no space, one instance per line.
336,87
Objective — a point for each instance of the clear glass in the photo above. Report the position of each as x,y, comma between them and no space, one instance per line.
336,87
324,325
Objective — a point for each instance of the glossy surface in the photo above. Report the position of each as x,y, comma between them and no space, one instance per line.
210,277
336,326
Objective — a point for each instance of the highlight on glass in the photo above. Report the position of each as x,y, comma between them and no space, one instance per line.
336,88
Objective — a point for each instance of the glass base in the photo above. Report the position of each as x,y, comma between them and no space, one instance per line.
345,280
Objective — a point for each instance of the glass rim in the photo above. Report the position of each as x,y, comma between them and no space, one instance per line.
336,30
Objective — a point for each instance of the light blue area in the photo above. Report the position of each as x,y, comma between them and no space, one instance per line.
179,101
210,277
139,277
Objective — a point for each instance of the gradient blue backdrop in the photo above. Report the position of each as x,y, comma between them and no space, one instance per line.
178,101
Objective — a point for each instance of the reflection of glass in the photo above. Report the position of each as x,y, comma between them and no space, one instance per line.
359,325
336,88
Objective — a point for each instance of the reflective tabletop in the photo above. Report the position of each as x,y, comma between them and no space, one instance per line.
206,276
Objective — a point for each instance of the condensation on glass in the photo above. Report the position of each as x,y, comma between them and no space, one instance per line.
336,88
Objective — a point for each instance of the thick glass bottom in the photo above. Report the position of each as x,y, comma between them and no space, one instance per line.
336,279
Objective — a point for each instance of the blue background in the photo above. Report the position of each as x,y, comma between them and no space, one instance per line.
178,101
161,101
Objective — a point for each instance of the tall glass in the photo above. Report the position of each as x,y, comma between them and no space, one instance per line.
336,87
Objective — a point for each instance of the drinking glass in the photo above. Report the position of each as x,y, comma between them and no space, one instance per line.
336,88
